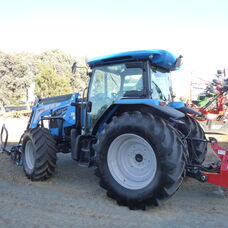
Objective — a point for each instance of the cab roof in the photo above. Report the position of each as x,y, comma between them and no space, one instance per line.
157,57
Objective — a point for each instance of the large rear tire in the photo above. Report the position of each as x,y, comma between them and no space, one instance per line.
140,160
197,149
39,154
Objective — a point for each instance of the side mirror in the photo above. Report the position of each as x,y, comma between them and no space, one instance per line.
74,67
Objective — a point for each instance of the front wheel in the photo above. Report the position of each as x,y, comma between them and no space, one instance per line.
38,154
140,160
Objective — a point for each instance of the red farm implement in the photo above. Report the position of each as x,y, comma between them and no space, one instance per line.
212,104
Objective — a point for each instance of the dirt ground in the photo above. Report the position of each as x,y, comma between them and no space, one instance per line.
73,198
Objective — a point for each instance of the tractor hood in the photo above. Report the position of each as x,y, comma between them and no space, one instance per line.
158,58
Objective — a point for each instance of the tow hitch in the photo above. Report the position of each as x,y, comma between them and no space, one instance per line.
15,151
214,173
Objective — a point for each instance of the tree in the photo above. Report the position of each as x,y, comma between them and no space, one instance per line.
19,71
79,80
61,63
15,78
48,83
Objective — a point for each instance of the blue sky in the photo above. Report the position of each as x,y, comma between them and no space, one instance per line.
197,29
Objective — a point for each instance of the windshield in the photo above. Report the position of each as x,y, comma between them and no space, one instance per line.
161,85
120,79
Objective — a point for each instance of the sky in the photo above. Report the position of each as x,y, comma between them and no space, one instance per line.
196,29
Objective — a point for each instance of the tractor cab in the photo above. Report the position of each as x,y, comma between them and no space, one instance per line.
132,77
130,80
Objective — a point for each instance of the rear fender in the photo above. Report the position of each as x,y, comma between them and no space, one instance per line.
142,105
181,106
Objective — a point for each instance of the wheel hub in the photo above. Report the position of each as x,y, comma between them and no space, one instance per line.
129,167
138,157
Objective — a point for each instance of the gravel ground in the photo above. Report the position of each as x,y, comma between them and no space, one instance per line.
73,198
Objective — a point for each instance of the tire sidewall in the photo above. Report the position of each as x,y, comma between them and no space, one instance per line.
44,151
160,180
115,185
27,170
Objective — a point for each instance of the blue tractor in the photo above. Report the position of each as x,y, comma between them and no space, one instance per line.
128,127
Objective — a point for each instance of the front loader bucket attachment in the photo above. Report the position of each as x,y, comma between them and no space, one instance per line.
3,140
15,151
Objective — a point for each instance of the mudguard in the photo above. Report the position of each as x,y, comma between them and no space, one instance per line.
165,110
143,105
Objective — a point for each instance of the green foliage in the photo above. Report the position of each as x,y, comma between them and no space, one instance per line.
51,71
59,61
48,83
15,77
79,80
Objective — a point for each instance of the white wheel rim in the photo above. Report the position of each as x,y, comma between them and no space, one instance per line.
132,161
29,154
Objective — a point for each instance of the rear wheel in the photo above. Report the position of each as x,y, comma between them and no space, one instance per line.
38,154
140,160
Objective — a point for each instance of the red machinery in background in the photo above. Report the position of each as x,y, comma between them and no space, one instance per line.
212,104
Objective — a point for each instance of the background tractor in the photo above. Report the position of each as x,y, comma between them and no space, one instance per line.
140,141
